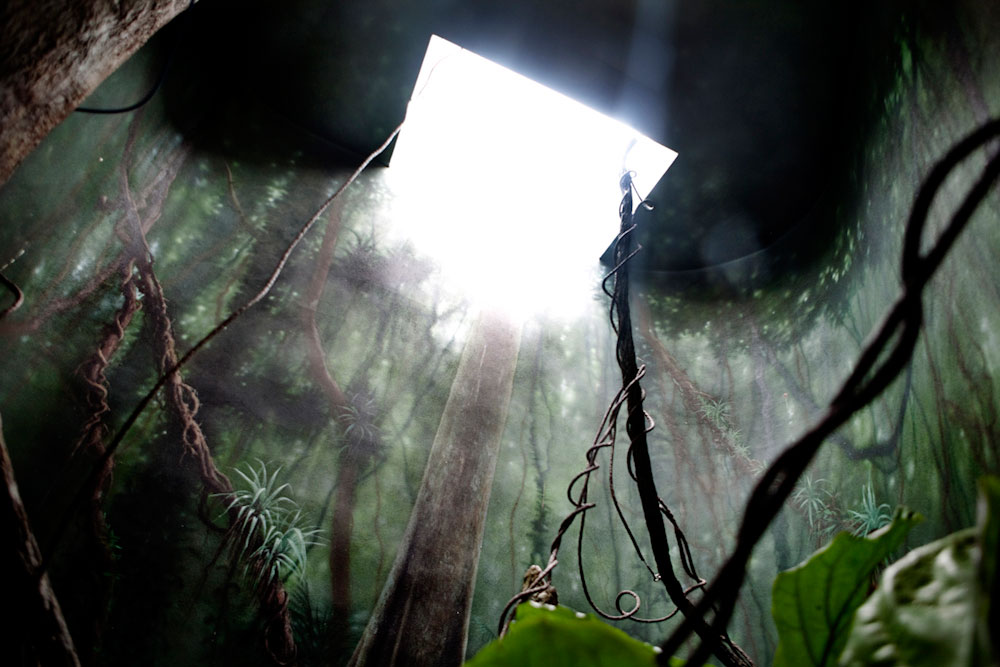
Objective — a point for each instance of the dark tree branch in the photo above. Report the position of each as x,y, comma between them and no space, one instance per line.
882,360
36,631
15,292
54,53
636,428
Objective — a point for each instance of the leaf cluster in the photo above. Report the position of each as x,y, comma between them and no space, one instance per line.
267,532
872,515
934,607
813,603
814,498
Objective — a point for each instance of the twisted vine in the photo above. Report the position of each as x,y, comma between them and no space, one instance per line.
183,399
886,355
15,292
637,424
94,429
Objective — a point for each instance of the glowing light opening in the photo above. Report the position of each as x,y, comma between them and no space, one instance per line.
511,186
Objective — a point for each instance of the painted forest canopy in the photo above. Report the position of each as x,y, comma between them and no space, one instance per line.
369,378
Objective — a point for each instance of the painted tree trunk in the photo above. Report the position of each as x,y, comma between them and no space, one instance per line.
422,616
341,528
54,53
36,632
342,522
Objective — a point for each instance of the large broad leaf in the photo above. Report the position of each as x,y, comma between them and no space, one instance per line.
922,612
933,606
813,604
547,636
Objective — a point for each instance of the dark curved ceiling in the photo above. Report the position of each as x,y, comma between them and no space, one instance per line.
751,93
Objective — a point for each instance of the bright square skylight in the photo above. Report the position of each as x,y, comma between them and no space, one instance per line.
512,186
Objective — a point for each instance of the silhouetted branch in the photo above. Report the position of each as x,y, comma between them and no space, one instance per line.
36,632
15,291
882,360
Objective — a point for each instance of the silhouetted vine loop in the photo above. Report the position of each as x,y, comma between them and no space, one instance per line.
637,424
901,329
15,291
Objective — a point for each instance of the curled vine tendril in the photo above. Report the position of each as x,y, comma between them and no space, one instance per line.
15,291
637,424
883,359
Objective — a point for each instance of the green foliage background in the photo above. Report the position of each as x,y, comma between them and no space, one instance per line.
734,374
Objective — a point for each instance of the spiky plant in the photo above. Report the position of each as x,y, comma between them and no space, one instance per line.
872,515
813,496
312,623
358,423
716,412
282,551
740,448
362,437
256,508
266,531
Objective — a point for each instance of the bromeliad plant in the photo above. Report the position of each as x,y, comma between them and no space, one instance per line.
872,515
818,601
934,607
267,533
814,498
716,411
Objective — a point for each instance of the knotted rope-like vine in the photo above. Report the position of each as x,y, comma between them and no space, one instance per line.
887,354
637,424
94,429
169,372
883,359
183,400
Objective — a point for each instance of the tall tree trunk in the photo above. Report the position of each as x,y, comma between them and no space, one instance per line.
341,529
422,616
54,53
36,632
351,461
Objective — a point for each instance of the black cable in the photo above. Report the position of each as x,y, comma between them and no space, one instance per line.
151,92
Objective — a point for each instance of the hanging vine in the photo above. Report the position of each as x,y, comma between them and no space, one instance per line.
637,424
91,444
887,354
180,397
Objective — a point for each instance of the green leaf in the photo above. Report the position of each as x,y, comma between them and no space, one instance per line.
922,612
813,603
547,636
932,607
